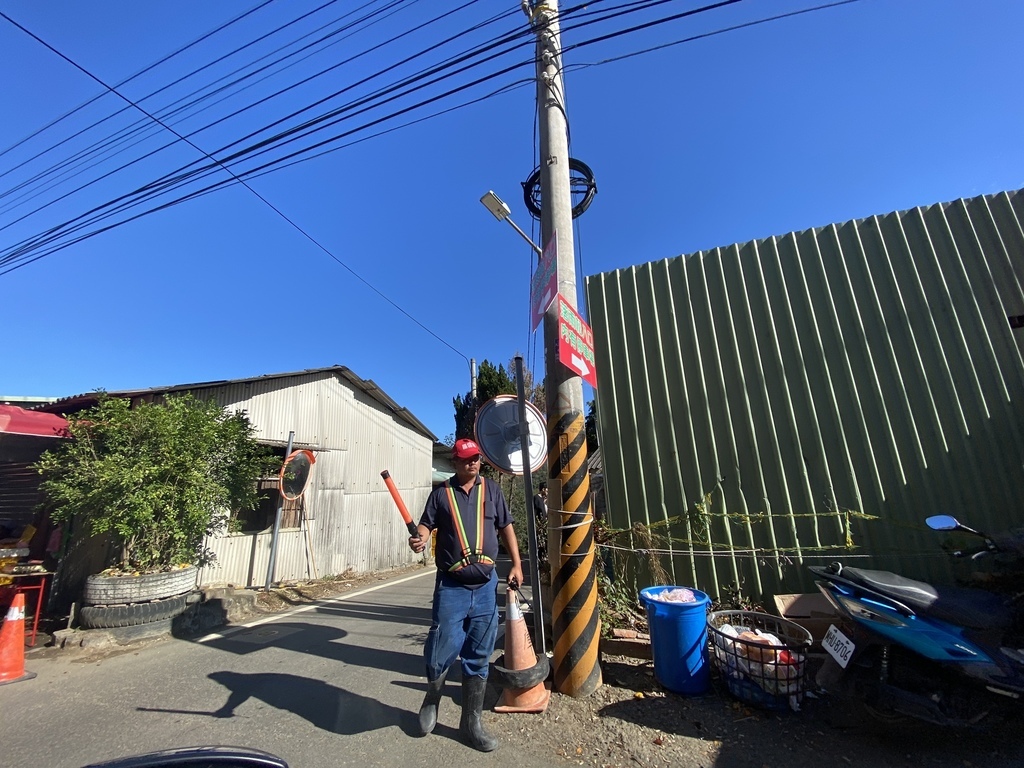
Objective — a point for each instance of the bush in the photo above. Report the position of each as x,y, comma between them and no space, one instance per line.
158,477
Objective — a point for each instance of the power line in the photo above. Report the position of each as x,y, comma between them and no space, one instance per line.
247,186
181,176
165,184
169,181
632,7
143,124
138,74
692,38
253,133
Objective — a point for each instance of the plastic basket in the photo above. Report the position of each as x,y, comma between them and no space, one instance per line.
765,675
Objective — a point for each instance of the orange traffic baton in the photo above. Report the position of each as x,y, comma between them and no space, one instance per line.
413,530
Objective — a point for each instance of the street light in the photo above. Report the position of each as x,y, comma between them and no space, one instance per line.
501,212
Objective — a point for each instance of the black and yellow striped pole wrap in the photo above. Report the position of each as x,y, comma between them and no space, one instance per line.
575,618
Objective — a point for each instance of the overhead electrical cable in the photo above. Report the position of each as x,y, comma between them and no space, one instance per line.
141,72
157,91
247,186
250,106
193,133
51,234
143,125
217,187
503,15
165,114
163,184
184,175
702,36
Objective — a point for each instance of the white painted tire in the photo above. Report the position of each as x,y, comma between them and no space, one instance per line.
119,590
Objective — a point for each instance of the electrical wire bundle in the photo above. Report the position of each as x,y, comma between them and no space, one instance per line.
479,60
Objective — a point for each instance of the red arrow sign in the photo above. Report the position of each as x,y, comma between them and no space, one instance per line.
575,343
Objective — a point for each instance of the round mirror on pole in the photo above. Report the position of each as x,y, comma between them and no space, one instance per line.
295,474
498,434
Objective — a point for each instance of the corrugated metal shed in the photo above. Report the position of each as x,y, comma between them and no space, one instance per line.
758,402
355,430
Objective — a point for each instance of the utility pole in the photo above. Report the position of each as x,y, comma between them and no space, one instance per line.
574,612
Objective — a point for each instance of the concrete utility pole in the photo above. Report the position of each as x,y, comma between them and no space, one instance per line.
574,613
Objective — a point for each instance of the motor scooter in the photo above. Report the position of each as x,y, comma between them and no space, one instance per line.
948,655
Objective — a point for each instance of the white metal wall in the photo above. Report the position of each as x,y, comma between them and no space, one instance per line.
352,520
758,401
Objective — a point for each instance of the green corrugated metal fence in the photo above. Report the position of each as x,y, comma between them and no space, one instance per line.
815,396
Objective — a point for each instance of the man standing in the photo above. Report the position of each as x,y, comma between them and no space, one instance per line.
468,513
540,504
540,511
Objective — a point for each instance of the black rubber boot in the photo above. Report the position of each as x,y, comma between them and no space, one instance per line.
471,728
428,711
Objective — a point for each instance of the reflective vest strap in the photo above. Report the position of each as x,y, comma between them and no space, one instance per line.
460,528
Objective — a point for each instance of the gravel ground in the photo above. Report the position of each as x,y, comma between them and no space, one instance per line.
632,721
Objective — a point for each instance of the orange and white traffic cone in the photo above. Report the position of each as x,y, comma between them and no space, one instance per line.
522,674
12,644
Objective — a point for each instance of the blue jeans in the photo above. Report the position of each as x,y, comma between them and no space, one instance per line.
464,623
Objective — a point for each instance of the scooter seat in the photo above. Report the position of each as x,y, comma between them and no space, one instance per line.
973,608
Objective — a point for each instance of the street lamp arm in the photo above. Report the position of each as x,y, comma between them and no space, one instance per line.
537,249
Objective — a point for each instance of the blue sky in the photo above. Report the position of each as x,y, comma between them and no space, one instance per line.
862,109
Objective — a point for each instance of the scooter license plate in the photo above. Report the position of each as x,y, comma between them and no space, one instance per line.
838,646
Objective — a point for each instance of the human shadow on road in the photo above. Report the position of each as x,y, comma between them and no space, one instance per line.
326,706
322,641
377,612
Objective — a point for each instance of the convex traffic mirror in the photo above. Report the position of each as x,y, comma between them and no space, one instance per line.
295,474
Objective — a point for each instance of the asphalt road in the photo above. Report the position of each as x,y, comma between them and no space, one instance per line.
331,684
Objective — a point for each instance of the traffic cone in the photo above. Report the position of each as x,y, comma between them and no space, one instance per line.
12,644
523,674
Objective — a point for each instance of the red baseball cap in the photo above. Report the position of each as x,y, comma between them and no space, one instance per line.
465,449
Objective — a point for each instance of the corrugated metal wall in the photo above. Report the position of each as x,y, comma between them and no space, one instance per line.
352,521
757,401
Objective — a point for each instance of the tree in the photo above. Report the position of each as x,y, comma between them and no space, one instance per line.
158,477
490,382
534,392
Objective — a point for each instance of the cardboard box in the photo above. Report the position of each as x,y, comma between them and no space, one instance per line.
812,612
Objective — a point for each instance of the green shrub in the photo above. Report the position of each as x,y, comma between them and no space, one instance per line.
158,477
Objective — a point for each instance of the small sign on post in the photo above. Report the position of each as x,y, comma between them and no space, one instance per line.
575,343
544,284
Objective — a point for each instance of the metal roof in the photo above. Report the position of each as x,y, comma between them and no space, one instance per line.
84,400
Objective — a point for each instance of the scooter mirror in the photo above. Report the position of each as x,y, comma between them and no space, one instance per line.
942,523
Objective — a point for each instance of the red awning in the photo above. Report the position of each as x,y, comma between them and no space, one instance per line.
18,421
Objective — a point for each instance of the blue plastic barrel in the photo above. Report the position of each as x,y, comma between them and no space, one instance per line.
679,641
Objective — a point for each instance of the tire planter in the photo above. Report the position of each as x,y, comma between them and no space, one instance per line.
131,615
119,590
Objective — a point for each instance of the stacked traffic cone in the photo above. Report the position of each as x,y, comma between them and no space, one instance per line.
12,644
522,674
